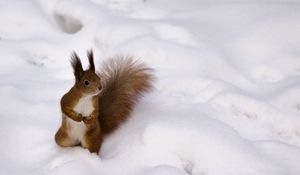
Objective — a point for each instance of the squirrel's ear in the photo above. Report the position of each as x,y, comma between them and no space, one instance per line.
77,66
90,56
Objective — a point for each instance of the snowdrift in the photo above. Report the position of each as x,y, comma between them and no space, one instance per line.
226,98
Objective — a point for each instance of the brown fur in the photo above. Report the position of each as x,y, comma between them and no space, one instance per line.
123,83
92,136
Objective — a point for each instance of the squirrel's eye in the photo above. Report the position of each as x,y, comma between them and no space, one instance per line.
86,82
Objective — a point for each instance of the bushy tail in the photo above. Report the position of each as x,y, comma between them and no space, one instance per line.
124,82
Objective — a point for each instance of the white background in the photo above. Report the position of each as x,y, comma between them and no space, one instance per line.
227,90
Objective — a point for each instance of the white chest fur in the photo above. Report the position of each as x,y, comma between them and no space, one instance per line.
85,108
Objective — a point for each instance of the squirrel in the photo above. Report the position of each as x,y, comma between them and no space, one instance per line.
98,103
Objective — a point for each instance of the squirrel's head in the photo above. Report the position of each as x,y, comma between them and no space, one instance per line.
86,81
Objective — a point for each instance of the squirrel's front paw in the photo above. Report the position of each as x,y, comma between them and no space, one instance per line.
89,120
77,117
85,119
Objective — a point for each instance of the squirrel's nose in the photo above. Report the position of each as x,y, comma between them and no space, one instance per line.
100,87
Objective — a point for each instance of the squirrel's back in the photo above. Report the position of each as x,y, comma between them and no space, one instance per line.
124,82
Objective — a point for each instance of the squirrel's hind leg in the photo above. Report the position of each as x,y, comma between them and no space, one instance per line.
92,141
62,139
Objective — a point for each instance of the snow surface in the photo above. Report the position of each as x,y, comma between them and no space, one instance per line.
226,98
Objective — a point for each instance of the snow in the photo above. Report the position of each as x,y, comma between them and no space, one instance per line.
226,98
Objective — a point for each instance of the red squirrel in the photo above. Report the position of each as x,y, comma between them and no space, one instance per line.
99,103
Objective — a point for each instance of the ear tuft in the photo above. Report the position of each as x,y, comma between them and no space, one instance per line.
90,56
77,66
